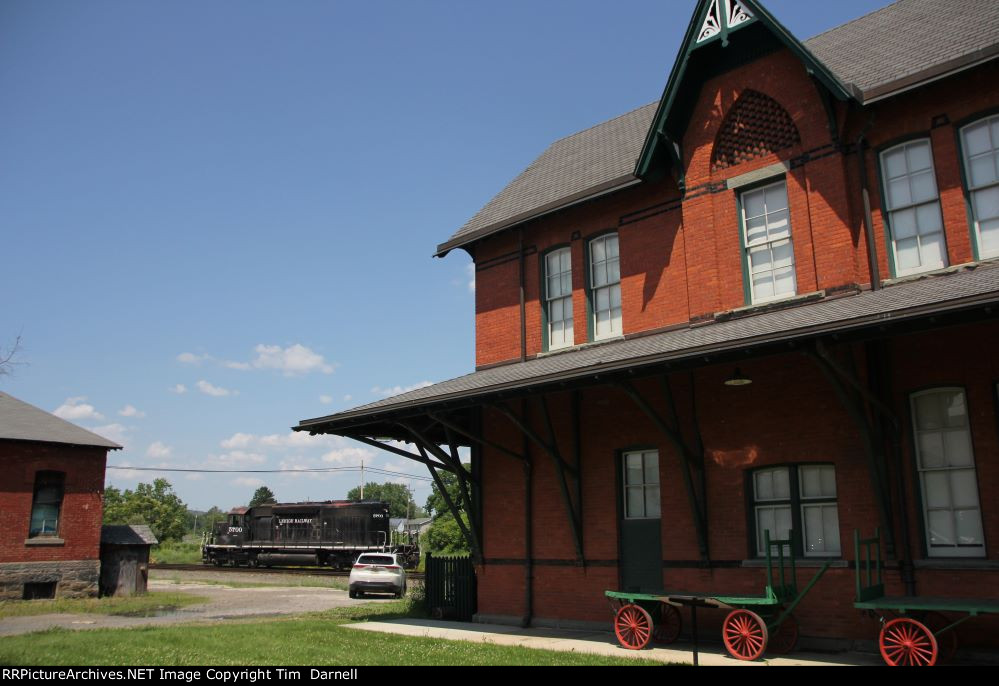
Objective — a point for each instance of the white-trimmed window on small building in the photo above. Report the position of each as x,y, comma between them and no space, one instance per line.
800,498
980,150
605,285
948,480
46,504
912,202
641,484
558,299
769,256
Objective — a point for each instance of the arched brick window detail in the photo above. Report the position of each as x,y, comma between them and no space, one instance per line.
755,126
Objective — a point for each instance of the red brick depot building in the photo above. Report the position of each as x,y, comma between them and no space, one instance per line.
51,494
781,318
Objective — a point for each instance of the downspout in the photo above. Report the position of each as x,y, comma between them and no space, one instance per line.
906,570
880,370
523,317
872,255
528,535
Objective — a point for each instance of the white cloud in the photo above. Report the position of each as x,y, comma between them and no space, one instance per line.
326,399
248,481
179,389
130,411
243,366
347,398
351,455
113,432
216,391
191,358
241,457
158,450
396,390
470,273
293,360
76,408
238,440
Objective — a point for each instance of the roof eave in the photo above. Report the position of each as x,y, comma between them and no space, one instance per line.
855,324
929,75
612,186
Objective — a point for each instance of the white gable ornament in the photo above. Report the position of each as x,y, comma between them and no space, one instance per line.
735,14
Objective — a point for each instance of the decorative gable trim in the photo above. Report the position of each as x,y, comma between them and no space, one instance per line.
721,17
755,126
661,141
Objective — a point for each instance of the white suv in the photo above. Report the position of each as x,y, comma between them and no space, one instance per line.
379,573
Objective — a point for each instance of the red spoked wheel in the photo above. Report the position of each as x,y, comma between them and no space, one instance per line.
633,627
785,638
947,641
668,626
905,642
745,634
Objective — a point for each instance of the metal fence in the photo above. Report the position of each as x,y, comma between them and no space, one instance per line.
450,587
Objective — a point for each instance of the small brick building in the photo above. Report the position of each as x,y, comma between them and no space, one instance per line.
51,495
766,302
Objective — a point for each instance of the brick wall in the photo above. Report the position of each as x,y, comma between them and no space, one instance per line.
80,516
788,415
680,262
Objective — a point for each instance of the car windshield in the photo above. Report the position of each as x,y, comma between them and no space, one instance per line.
376,560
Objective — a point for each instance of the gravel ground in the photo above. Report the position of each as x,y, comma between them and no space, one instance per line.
225,602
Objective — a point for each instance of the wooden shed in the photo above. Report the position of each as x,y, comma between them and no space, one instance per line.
125,558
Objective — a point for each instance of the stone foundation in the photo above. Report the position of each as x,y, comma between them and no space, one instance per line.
75,579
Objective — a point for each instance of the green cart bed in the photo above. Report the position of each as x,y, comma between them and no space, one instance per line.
920,636
643,617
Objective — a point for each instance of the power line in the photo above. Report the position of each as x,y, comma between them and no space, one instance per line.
270,471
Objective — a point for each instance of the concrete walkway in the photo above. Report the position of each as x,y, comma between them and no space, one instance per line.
602,643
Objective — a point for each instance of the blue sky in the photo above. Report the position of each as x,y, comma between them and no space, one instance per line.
217,218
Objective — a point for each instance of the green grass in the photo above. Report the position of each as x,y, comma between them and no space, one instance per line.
176,553
147,605
317,638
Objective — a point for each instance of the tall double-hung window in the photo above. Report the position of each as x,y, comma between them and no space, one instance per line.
947,478
605,285
913,207
980,148
558,298
769,256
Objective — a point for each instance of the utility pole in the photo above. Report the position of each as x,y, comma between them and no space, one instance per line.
362,479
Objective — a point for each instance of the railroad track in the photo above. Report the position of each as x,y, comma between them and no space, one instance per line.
309,571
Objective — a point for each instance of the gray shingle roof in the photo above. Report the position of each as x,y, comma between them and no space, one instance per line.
23,422
909,39
575,167
127,534
907,42
894,303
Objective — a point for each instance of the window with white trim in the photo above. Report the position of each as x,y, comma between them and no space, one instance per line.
558,298
641,485
980,150
769,255
913,208
605,282
800,498
947,478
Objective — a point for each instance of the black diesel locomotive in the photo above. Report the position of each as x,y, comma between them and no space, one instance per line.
329,534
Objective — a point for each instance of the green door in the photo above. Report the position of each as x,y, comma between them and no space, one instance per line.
641,564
